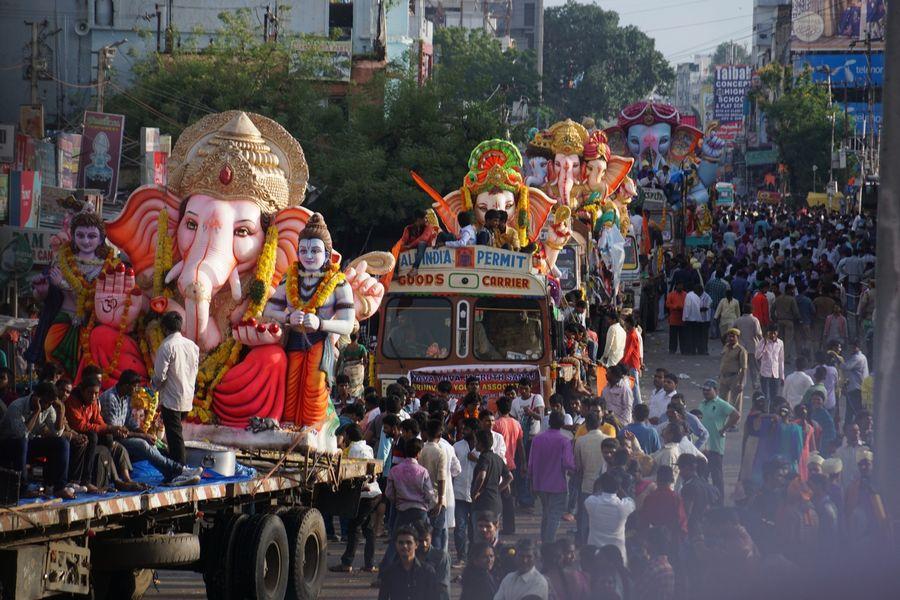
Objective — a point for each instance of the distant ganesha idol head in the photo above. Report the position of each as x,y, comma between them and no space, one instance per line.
495,178
88,235
314,245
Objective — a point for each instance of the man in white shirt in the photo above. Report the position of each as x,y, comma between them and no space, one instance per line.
467,457
607,514
467,232
770,354
693,320
615,341
796,384
525,581
174,374
365,513
434,460
528,409
665,386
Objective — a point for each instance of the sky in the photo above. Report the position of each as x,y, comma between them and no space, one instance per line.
683,28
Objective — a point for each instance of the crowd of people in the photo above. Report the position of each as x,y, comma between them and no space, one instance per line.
631,487
89,438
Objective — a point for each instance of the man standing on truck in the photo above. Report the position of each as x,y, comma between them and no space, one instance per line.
32,428
174,374
115,408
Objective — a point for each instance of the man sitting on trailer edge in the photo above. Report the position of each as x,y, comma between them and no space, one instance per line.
32,427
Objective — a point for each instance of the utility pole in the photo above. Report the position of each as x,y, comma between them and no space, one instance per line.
539,47
170,26
887,293
158,28
275,24
35,57
104,61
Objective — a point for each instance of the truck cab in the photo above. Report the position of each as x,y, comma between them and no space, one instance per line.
467,311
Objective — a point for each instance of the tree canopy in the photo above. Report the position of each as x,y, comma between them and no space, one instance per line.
361,146
593,66
800,125
730,53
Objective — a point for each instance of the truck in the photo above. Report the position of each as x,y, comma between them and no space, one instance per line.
258,535
471,311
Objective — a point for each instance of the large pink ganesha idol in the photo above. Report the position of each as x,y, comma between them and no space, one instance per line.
214,247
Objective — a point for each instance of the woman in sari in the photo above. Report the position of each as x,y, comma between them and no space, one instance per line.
808,435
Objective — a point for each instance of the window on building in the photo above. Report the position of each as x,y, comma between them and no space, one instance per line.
529,15
417,328
508,329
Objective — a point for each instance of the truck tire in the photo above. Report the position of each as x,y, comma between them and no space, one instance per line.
147,552
262,559
309,553
217,550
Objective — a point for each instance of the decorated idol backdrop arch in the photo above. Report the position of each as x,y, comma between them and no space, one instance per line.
495,181
652,133
228,246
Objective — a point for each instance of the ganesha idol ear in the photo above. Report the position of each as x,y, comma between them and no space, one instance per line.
134,231
617,138
617,169
290,222
539,207
448,208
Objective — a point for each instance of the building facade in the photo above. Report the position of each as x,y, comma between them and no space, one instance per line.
72,34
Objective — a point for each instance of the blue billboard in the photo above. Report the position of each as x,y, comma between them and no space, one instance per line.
847,70
859,112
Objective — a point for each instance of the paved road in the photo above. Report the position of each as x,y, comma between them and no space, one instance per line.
176,585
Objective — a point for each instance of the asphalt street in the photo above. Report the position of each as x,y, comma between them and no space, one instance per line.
692,370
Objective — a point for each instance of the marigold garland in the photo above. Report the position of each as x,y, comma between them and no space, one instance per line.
147,400
82,288
162,261
330,280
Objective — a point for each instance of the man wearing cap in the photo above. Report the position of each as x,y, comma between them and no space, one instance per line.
733,369
718,417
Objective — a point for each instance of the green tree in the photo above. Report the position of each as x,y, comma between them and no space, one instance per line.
730,53
800,121
361,147
593,66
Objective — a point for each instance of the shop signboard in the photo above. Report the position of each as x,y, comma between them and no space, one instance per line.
837,24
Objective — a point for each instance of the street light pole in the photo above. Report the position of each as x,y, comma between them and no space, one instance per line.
815,168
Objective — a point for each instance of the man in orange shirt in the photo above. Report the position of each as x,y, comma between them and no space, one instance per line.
83,415
418,236
633,360
760,305
675,308
514,439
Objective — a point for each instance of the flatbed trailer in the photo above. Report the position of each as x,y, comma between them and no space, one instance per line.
258,536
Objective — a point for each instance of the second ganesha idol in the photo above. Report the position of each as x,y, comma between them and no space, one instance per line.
254,274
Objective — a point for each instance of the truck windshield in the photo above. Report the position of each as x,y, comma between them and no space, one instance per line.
417,328
508,329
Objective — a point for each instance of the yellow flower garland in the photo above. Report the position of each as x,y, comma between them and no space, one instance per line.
82,288
162,261
147,400
332,278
